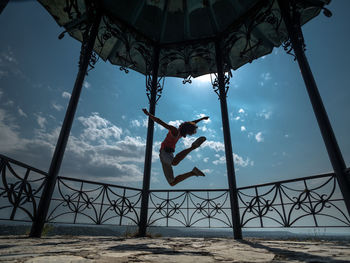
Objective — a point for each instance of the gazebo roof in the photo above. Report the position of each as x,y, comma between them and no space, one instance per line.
184,30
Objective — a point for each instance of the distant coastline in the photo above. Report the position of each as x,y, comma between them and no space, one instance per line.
21,228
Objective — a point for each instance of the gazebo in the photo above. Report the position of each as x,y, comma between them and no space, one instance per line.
185,39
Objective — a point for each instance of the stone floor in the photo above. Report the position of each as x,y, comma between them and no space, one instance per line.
202,250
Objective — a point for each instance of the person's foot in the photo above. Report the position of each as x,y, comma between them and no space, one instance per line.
197,172
198,142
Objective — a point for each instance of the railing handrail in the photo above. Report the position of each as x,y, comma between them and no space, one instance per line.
23,165
289,180
93,182
172,190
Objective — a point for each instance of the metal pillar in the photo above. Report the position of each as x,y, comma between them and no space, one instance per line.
149,144
237,230
292,23
3,4
85,55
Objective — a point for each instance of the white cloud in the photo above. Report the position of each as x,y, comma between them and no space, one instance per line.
286,136
41,121
21,112
9,65
99,129
214,145
86,85
8,56
145,122
266,76
57,107
9,135
139,123
206,159
265,114
123,117
1,92
221,160
241,111
237,118
88,157
176,123
238,160
135,123
243,128
258,137
66,95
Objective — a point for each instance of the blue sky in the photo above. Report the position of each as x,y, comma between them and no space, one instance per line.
273,129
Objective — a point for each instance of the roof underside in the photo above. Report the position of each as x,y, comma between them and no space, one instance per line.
185,31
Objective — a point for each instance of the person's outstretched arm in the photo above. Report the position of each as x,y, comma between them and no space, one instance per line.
203,118
162,123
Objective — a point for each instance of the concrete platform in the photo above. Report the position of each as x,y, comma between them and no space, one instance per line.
76,249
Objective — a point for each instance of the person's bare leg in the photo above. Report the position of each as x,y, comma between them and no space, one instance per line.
181,155
182,177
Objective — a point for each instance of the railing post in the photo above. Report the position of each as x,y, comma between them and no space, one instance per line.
237,231
85,56
149,145
292,23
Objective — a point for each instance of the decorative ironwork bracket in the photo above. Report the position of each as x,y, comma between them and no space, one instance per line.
82,22
159,88
187,80
215,82
111,30
94,57
295,18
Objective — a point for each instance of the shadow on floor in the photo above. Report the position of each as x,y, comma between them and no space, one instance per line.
286,254
158,250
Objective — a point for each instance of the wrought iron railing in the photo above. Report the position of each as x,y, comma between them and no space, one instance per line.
87,202
312,201
20,189
190,208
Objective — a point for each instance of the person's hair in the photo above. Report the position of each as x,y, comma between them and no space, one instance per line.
187,128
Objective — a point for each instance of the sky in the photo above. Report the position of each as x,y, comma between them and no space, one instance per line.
274,132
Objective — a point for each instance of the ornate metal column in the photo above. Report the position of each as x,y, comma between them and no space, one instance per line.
291,19
221,89
3,4
154,90
85,56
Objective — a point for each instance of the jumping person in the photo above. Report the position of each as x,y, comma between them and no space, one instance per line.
168,148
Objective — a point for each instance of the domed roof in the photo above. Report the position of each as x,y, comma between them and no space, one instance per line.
184,30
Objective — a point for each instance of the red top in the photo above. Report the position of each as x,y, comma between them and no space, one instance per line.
170,140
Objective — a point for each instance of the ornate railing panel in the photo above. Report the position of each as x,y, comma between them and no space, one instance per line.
190,208
306,202
313,201
20,189
86,202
